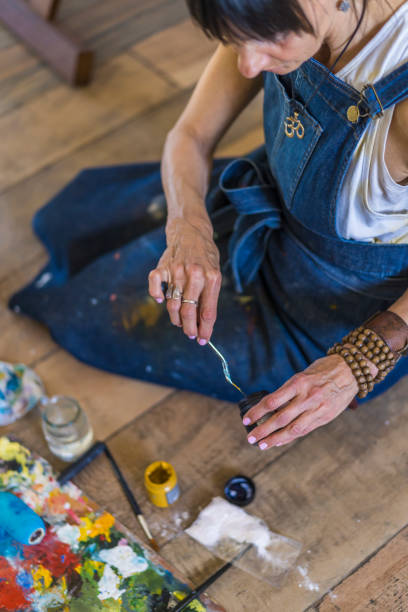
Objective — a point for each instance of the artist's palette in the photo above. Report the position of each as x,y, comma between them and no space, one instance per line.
87,561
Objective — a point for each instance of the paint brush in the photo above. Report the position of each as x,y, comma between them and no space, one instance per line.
99,447
72,470
225,367
132,501
213,578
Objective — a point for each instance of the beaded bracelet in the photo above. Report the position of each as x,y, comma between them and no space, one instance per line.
381,350
358,365
374,348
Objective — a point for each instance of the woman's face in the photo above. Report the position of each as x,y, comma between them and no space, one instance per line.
289,51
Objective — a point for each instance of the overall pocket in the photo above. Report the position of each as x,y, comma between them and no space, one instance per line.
291,135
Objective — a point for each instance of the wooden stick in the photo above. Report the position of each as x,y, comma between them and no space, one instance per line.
132,500
46,8
204,586
64,54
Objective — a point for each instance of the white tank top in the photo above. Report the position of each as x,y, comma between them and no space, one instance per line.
372,206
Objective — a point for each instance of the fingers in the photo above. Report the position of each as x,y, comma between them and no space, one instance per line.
301,426
277,421
189,312
270,403
156,278
208,306
192,282
178,280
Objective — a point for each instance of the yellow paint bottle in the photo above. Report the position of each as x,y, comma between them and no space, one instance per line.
161,483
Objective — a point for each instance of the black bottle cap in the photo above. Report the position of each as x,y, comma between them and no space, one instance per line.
240,490
247,402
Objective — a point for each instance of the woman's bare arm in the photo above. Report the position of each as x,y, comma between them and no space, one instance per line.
191,259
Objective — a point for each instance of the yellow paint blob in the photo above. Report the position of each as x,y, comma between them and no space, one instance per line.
92,528
13,450
147,312
42,578
195,605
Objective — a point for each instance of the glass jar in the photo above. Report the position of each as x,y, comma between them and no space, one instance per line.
66,427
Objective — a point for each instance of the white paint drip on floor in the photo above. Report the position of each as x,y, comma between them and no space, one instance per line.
306,582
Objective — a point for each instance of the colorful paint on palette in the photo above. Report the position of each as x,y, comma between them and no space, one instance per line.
86,562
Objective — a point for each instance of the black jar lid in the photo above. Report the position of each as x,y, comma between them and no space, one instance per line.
240,490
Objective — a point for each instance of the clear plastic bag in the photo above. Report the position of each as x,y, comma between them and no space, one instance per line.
234,535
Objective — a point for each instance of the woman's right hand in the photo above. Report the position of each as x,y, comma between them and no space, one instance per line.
191,265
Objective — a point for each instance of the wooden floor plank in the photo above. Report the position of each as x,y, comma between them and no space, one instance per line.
110,401
111,27
379,585
62,120
180,52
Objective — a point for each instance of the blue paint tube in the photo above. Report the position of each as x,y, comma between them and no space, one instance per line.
18,521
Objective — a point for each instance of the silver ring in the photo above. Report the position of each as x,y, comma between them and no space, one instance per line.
169,291
176,294
183,301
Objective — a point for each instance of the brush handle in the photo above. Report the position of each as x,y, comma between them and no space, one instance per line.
203,587
72,470
130,497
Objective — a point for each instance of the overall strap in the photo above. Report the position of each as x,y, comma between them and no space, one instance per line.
388,91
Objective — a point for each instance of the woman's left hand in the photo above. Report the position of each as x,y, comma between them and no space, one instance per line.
306,401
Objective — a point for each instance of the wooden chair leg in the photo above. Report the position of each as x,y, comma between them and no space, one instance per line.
46,8
66,55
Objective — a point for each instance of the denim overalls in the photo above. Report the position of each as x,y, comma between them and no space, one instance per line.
292,287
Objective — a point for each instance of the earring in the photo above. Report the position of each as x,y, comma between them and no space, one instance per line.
343,6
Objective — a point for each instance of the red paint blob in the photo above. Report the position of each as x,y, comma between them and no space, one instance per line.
56,556
12,596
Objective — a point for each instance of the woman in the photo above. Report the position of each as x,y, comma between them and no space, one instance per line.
314,227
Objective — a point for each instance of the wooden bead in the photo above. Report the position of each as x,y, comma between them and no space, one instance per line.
376,350
386,349
380,343
370,345
366,371
376,360
364,350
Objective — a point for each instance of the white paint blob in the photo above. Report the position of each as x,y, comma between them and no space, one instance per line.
69,534
43,280
124,559
306,582
220,520
108,585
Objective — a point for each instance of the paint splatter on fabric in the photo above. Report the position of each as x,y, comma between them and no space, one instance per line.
86,562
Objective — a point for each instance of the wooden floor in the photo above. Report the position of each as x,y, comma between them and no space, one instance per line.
341,491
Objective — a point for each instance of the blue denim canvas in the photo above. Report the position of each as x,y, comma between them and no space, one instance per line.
291,285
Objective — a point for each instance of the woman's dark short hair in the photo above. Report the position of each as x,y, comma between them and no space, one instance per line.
238,20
